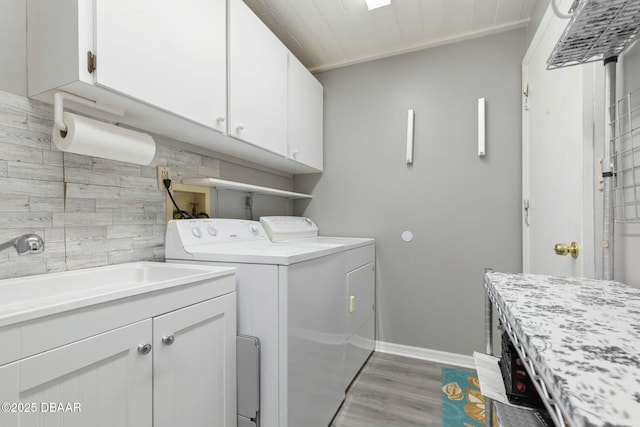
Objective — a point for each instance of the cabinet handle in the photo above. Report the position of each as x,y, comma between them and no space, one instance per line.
352,304
239,128
144,349
295,153
220,119
168,339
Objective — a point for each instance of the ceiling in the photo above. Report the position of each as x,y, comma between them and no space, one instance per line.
326,34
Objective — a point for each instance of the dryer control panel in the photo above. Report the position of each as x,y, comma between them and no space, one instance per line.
280,228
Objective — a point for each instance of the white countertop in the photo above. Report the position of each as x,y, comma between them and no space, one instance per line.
28,298
584,338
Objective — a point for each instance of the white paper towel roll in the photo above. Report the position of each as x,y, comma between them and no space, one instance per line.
94,138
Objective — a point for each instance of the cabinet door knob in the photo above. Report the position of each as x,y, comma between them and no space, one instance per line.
220,119
144,349
168,339
295,153
239,127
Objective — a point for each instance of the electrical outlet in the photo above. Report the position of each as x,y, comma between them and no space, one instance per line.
164,172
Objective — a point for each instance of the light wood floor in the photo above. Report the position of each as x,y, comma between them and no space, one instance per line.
393,391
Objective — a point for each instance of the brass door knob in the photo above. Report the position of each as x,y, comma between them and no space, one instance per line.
564,249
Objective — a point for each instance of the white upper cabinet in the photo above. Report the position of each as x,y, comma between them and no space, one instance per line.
305,116
171,55
197,71
257,81
167,55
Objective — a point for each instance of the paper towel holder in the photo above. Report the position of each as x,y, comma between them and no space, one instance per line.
83,135
58,109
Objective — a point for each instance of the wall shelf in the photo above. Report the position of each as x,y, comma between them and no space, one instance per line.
597,30
221,184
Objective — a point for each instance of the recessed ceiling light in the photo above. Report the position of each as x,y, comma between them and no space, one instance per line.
374,4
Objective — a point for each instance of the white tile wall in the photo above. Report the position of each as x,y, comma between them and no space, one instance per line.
90,211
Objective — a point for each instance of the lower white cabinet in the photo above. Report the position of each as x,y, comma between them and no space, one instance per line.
174,368
102,380
194,382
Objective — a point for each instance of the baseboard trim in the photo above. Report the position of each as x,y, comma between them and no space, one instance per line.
437,356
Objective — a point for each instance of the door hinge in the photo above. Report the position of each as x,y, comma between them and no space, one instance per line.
525,207
600,175
525,97
91,62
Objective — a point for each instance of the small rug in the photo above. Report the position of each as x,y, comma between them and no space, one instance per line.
462,403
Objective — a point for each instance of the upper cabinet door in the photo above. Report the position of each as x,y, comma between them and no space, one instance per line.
305,115
257,81
171,55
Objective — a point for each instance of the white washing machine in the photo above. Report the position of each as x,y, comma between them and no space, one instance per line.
293,295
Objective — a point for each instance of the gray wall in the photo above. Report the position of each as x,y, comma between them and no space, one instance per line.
464,211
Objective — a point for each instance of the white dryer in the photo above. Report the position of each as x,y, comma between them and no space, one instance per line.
294,297
360,281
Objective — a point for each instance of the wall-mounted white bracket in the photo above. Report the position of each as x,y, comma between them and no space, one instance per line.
481,127
58,108
410,120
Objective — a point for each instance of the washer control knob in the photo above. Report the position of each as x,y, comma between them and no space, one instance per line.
196,232
212,230
253,229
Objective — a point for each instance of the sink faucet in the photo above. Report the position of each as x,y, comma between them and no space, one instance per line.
25,244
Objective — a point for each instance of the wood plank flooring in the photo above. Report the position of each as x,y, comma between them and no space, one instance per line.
393,391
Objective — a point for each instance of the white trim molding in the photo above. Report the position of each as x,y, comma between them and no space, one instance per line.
443,357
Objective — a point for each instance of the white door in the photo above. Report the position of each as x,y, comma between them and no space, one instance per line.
99,381
257,81
195,364
557,159
141,53
305,115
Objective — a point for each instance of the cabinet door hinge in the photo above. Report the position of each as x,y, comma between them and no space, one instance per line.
91,62
525,97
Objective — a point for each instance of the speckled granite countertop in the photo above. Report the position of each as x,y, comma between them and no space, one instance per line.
584,338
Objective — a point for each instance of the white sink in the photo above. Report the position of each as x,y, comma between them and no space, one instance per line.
25,298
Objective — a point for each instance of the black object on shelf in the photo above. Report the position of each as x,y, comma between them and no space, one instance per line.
520,390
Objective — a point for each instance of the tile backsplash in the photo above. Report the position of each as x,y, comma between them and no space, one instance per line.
90,211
